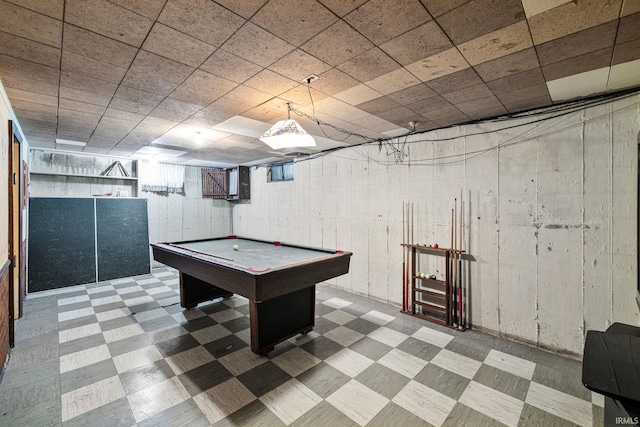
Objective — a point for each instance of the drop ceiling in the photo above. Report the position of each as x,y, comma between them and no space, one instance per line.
200,80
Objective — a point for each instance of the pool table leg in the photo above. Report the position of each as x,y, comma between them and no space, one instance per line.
275,320
194,291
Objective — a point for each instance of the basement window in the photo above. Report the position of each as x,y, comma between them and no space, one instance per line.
281,172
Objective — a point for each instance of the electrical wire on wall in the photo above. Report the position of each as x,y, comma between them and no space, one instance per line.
544,121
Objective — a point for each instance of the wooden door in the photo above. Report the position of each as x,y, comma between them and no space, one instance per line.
17,247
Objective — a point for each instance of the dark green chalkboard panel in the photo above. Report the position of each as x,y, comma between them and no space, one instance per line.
61,243
123,238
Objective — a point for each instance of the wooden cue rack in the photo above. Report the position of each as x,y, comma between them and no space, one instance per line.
431,299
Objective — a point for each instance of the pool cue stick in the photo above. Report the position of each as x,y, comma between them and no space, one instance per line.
455,262
460,262
406,211
413,259
451,288
404,265
463,311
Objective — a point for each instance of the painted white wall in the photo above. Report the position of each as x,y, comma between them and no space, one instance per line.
172,217
550,218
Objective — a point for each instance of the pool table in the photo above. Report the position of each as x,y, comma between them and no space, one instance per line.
277,278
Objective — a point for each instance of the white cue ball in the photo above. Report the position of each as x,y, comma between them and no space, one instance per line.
235,247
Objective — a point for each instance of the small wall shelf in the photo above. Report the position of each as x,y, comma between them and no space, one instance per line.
77,175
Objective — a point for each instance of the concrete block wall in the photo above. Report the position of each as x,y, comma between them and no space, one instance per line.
550,218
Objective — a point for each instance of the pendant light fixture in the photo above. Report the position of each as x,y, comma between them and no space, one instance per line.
287,134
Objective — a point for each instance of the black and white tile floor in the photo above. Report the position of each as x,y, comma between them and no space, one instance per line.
124,353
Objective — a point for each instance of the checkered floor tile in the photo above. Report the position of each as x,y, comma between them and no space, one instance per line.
124,353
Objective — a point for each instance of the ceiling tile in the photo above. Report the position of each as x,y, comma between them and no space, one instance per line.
123,115
369,65
507,65
528,104
243,126
154,73
247,95
576,44
133,107
414,45
298,65
208,118
52,8
147,8
393,81
139,96
378,105
536,7
480,17
30,25
42,112
94,46
624,75
87,84
256,45
375,123
517,81
122,125
268,112
401,116
300,95
447,116
69,104
572,17
202,88
172,115
175,45
302,20
629,7
530,92
412,94
21,81
271,83
15,67
357,94
179,106
579,85
203,19
382,20
32,97
330,47
155,126
339,109
579,64
482,108
342,7
468,94
502,42
100,70
334,81
82,96
108,19
626,52
228,105
628,29
29,50
112,130
244,8
438,65
456,81
230,66
439,7
430,105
